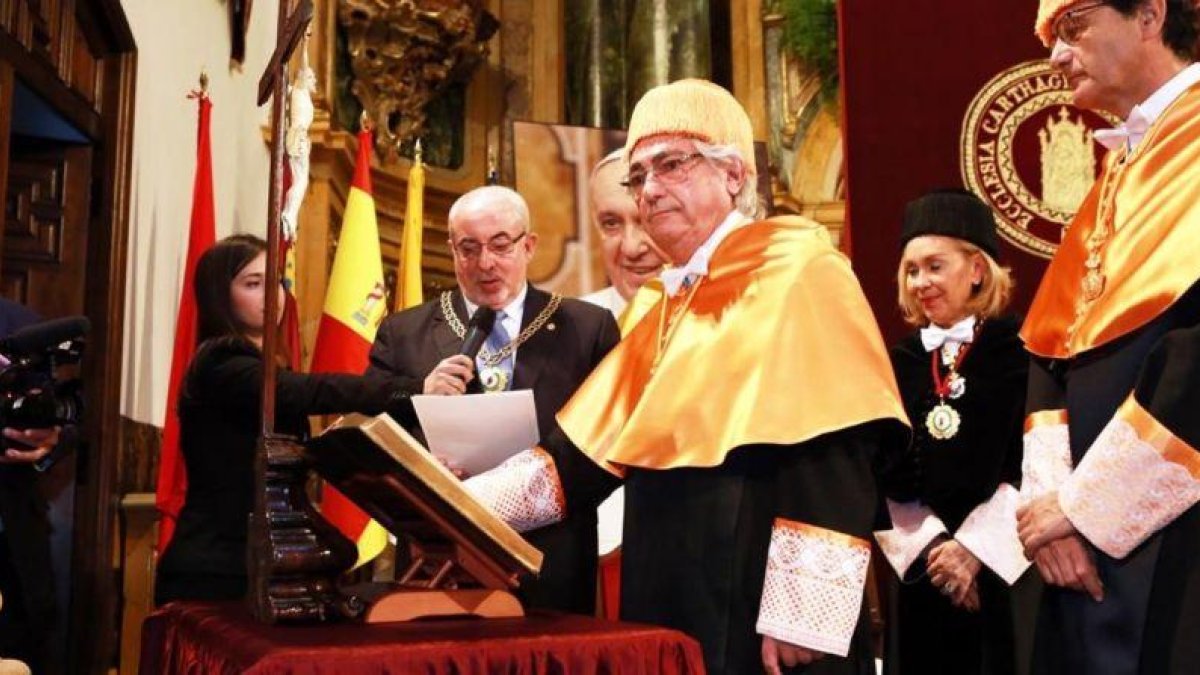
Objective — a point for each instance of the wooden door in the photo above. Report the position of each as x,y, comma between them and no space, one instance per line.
46,213
62,251
43,259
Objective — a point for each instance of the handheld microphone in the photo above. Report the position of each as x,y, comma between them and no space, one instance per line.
477,331
42,336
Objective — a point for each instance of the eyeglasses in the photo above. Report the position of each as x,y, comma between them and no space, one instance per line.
669,167
1069,27
501,245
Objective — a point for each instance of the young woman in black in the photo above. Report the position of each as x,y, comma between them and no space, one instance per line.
219,414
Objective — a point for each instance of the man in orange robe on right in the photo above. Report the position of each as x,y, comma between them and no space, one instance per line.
1111,470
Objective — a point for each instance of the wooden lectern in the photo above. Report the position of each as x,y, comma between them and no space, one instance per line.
461,558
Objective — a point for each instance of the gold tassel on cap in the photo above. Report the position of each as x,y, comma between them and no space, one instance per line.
696,109
1048,13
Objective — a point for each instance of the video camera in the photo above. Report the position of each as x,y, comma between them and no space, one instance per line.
30,397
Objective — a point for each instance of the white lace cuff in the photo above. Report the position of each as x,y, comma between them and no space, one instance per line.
812,594
990,534
914,525
1135,479
1047,459
523,491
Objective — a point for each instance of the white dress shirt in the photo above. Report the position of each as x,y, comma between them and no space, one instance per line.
514,312
609,299
673,278
1146,113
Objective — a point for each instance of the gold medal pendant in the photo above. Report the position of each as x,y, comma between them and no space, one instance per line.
942,422
493,379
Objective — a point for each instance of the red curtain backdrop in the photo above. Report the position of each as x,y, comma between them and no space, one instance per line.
909,72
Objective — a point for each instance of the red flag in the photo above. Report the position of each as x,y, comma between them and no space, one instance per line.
355,303
172,475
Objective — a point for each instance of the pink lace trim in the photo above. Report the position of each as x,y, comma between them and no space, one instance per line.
812,594
1124,490
523,491
1046,462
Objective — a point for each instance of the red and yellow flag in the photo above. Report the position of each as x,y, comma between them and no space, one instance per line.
355,304
172,474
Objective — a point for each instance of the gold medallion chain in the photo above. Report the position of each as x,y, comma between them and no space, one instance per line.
486,357
668,325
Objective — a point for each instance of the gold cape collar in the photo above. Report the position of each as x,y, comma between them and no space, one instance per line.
777,346
1150,258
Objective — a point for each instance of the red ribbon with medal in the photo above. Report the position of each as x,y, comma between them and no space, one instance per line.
943,420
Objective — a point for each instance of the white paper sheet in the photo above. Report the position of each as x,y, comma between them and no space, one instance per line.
476,432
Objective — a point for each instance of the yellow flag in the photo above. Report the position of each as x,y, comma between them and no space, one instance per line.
408,280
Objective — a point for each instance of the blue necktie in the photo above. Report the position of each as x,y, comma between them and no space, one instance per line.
496,341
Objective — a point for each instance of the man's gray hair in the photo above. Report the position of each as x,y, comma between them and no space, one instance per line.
495,198
746,200
617,155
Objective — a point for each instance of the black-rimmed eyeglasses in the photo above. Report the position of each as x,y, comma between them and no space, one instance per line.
501,245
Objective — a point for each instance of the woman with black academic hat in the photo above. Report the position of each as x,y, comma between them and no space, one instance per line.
950,493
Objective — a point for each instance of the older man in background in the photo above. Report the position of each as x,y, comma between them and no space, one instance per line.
630,260
630,257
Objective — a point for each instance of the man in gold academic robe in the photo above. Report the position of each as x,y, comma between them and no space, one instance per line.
742,413
1110,469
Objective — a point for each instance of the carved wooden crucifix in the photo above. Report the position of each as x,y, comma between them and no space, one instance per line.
294,555
292,27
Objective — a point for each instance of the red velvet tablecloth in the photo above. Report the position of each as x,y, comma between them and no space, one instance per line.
209,638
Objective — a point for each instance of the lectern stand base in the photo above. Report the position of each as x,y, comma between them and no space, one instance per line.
412,604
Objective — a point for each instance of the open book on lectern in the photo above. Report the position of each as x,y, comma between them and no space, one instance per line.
391,476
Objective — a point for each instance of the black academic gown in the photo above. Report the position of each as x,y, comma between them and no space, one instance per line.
695,542
1146,623
925,633
219,417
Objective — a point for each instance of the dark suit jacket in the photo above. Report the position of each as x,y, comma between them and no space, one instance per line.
553,363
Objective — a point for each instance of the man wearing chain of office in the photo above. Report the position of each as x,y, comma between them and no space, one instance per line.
539,341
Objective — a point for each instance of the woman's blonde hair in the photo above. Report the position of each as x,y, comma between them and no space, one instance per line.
989,298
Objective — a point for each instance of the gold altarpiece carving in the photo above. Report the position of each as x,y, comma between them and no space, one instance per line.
805,135
332,166
522,78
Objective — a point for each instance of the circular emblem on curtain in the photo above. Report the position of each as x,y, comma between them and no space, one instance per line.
1030,155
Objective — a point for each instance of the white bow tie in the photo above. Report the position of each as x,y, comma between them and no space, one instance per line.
933,337
1129,133
676,278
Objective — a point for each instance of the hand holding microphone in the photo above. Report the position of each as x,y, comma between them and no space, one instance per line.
451,375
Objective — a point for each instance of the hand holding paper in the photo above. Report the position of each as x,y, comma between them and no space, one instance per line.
475,432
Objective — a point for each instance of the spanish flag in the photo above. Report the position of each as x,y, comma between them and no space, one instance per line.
355,304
